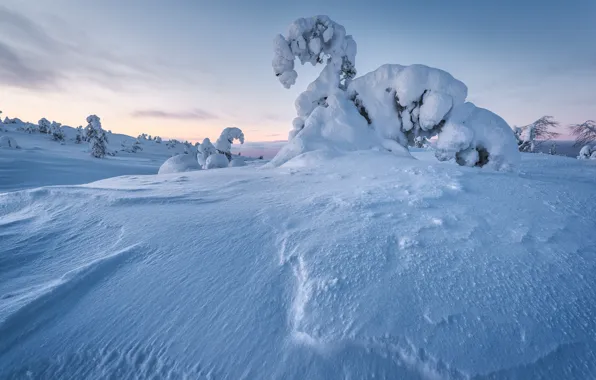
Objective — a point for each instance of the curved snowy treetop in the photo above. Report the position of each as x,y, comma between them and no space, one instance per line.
315,40
228,135
404,102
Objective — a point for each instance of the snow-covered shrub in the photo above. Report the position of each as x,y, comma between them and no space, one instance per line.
96,136
44,125
224,142
584,133
390,108
475,136
585,152
179,164
56,131
8,142
216,161
236,162
204,150
133,148
158,139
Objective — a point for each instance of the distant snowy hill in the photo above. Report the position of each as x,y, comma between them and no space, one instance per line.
365,266
40,161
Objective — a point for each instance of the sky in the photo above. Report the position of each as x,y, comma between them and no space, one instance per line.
188,68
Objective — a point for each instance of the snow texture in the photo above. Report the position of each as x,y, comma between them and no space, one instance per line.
179,164
368,266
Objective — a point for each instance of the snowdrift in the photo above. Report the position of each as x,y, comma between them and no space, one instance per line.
365,266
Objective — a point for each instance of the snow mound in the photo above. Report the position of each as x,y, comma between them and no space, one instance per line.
237,162
179,164
8,142
474,136
216,161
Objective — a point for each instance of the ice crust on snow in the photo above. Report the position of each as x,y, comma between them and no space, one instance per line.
179,164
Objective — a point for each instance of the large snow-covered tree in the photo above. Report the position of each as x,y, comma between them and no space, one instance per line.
584,133
315,40
96,136
225,140
390,108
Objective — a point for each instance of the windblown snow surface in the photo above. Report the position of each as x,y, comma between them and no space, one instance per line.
364,266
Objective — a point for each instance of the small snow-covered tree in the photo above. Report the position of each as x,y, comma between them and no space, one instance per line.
79,138
225,140
530,136
205,149
158,139
44,125
56,131
96,136
584,133
553,149
585,152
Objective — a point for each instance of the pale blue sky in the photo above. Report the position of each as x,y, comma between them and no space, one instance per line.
186,69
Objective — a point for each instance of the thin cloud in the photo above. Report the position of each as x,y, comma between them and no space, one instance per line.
196,114
32,58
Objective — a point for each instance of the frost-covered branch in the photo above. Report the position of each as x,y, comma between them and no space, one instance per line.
584,133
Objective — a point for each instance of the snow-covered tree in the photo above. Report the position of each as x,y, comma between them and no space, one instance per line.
79,138
585,152
530,136
205,149
44,125
224,142
158,139
96,136
553,149
56,131
316,40
584,133
390,108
